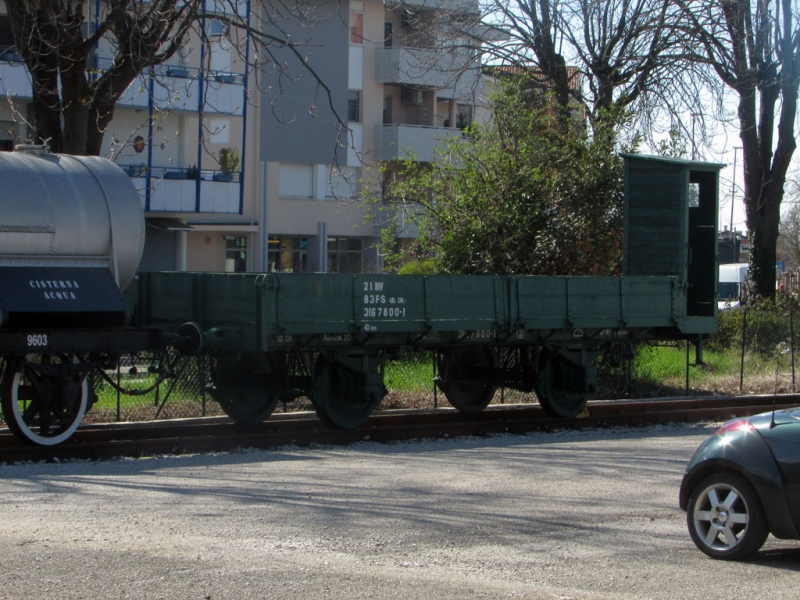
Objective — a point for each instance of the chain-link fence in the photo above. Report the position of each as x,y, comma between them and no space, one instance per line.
753,353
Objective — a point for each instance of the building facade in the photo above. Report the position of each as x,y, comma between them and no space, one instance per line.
260,169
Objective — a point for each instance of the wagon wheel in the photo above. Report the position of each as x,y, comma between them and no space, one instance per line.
463,379
248,389
41,403
551,387
344,398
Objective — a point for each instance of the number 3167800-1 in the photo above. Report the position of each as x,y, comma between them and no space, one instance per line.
384,311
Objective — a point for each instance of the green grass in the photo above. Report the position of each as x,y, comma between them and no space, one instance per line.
411,374
107,396
666,366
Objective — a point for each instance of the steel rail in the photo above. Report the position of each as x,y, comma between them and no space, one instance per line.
220,434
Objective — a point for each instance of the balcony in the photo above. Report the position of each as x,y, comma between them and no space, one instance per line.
228,7
453,73
415,142
176,190
14,75
178,88
462,6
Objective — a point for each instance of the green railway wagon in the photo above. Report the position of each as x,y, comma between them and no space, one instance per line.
282,335
64,319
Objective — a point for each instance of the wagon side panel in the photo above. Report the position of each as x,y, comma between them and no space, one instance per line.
470,303
542,302
299,304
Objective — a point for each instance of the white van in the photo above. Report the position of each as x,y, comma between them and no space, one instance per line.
731,284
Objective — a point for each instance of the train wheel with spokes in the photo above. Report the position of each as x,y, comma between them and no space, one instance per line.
43,402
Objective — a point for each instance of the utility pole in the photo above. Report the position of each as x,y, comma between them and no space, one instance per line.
694,145
733,182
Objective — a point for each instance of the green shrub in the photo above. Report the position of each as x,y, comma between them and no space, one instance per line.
420,267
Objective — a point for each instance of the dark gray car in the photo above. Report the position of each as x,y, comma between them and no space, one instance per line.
743,483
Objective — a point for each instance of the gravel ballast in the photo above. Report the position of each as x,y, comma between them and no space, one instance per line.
565,515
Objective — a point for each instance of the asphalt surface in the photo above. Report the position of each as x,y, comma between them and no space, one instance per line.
569,515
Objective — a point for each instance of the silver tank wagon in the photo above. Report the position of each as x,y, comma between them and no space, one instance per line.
58,210
72,234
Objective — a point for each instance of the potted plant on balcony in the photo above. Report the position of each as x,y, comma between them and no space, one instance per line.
229,163
225,77
139,170
179,72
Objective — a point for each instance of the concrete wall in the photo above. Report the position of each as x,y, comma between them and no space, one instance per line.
297,124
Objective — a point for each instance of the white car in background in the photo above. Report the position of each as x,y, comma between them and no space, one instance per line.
731,285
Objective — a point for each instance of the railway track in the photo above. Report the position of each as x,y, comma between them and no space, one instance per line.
220,434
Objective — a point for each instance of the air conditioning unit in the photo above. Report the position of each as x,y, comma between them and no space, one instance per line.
409,19
412,96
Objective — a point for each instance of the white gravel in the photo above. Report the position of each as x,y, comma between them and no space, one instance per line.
567,515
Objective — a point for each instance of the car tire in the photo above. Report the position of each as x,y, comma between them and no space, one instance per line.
725,517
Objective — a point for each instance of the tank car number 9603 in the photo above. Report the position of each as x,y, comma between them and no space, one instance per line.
37,340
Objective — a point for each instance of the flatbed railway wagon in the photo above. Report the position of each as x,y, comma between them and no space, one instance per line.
328,337
72,234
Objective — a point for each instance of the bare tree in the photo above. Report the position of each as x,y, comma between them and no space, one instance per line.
751,49
72,107
627,52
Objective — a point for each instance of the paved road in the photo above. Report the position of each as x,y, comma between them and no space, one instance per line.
570,515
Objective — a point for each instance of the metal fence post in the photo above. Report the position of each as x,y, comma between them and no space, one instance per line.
201,375
435,397
791,341
741,365
119,400
687,367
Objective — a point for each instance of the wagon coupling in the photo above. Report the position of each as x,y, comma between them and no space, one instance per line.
189,339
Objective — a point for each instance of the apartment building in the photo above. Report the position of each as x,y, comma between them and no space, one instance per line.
243,169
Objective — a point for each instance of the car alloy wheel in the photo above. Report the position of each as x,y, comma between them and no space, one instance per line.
725,517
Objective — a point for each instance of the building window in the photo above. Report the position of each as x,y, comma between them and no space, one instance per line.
296,181
344,255
216,28
273,254
387,34
220,130
356,28
354,106
387,110
288,254
299,255
6,35
464,117
236,254
343,183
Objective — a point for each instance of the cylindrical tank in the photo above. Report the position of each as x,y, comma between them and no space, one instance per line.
59,209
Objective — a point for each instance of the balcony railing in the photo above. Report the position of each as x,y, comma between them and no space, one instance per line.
14,75
452,6
176,190
415,142
178,88
455,71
